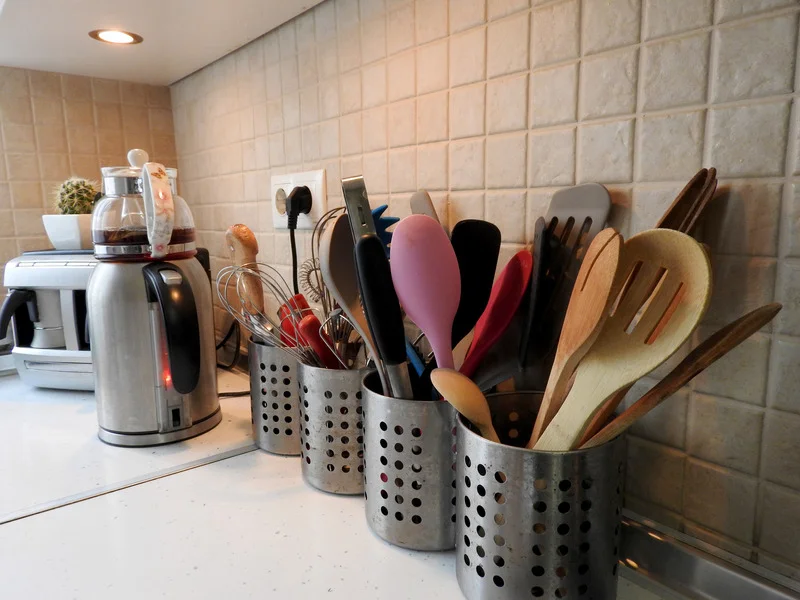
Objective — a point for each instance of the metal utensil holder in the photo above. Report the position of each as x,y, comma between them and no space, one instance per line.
535,524
274,399
331,436
409,459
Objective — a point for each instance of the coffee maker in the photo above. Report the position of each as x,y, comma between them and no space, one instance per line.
150,312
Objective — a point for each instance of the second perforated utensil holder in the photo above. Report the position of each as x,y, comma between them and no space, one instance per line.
410,478
535,524
332,429
274,399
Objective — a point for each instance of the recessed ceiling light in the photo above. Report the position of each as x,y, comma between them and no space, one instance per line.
115,36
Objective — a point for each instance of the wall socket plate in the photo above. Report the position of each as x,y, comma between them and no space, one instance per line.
282,185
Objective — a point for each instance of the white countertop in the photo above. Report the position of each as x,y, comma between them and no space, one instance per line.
192,521
50,453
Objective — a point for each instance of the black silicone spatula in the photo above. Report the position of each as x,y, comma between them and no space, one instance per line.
382,310
477,247
530,304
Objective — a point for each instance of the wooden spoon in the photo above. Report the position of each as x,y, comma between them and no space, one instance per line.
669,273
586,314
699,359
466,398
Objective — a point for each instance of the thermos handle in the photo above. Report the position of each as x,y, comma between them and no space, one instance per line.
159,208
167,285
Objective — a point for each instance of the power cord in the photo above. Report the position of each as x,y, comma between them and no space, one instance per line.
234,329
297,202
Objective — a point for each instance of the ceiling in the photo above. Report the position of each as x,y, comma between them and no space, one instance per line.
180,36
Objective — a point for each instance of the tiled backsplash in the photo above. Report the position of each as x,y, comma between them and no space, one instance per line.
54,126
492,106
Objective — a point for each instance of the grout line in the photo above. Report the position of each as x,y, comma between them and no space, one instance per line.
116,487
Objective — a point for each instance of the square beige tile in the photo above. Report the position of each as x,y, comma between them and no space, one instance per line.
432,71
464,14
376,172
16,110
13,82
500,8
400,32
606,152
402,123
51,138
676,16
45,84
373,37
350,133
403,170
666,423
373,85
654,473
310,139
507,45
83,140
729,298
431,20
401,76
28,221
309,105
468,57
290,77
507,104
609,24
770,46
22,167
48,111
432,166
749,141
725,433
608,84
675,72
551,158
780,523
720,499
554,96
507,211
744,219
109,116
787,292
26,194
467,111
19,138
781,446
466,164
555,33
106,90
728,10
375,129
464,205
506,161
76,88
784,376
432,117
671,146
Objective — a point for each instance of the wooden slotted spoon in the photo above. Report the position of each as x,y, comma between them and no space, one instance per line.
467,398
586,314
670,276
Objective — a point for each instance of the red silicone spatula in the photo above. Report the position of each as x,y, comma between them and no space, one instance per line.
504,301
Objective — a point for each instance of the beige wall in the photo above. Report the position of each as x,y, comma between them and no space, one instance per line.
494,105
54,126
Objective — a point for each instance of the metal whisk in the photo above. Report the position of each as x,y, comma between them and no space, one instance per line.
249,282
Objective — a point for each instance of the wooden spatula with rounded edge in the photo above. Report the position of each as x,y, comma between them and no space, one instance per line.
662,265
586,313
466,398
504,301
339,274
699,359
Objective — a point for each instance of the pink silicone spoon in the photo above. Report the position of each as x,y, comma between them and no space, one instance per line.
427,281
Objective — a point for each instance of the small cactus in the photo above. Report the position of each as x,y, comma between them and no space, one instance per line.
76,196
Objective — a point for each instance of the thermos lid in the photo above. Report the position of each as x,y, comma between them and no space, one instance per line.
127,180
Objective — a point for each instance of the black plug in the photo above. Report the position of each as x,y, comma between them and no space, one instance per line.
298,202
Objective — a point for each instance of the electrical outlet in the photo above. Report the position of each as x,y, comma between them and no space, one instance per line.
282,185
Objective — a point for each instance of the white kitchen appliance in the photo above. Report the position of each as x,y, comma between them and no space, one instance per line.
46,304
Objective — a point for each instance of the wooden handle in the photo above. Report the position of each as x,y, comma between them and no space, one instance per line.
244,248
699,359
